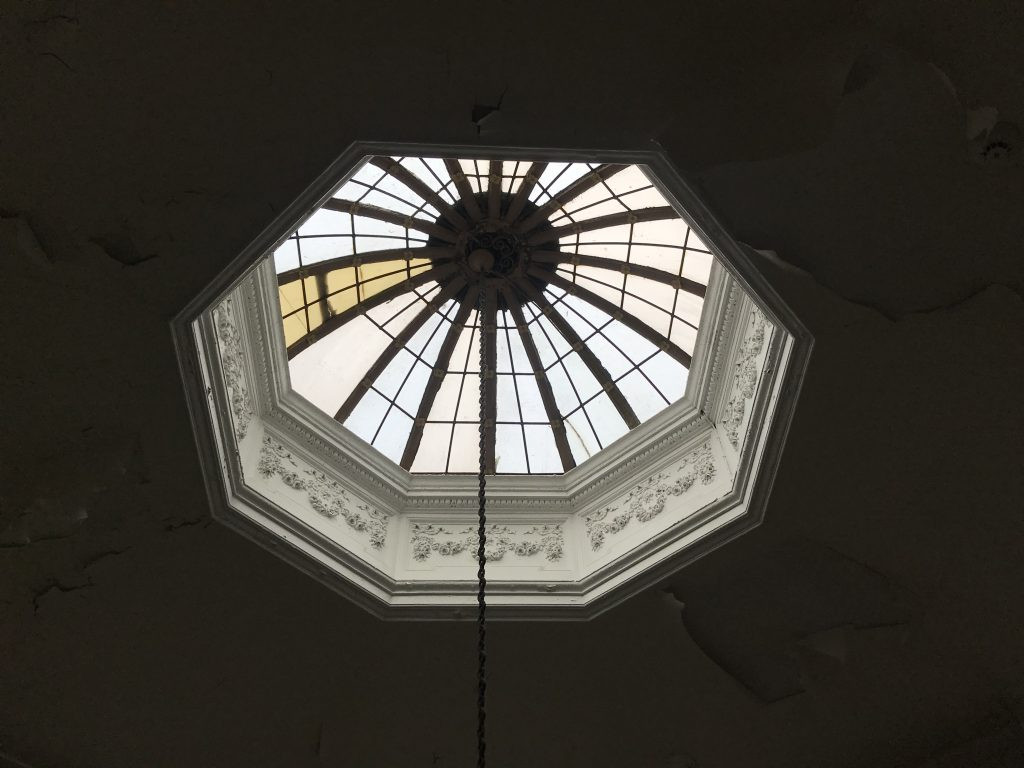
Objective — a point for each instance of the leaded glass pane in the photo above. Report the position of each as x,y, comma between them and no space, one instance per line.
381,292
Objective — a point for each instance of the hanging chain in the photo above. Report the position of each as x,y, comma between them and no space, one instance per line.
481,555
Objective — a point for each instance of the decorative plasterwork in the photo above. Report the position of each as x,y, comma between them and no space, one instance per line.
326,496
397,488
229,342
447,541
744,384
315,443
647,500
731,297
567,546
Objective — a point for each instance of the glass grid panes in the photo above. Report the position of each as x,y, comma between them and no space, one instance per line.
510,174
369,305
649,378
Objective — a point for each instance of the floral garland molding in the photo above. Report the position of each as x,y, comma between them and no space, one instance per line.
745,381
501,539
231,357
647,500
326,496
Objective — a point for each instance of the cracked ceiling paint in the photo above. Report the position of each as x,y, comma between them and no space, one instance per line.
164,641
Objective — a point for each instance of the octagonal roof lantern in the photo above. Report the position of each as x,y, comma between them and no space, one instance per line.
639,374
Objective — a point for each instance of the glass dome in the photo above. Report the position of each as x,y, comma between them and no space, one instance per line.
583,284
335,374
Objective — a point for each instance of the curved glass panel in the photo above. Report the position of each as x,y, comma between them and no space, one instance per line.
578,283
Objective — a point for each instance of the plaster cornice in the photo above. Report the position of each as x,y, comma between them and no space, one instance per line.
686,481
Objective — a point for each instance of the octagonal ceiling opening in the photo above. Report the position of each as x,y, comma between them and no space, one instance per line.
644,378
584,285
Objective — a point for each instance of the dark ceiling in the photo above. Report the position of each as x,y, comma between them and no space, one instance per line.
875,619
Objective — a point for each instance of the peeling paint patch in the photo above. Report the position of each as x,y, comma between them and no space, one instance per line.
55,586
19,244
122,249
777,633
44,520
773,258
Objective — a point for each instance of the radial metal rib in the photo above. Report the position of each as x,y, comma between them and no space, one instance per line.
444,358
391,217
494,189
586,354
547,395
640,270
522,195
571,192
465,190
438,273
421,188
658,213
438,254
630,321
397,344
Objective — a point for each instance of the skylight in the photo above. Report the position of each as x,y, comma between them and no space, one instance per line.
589,284
334,374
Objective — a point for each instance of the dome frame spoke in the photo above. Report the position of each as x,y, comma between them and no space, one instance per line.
640,270
465,190
414,183
522,195
494,190
656,213
437,254
391,217
587,355
597,176
397,344
628,319
547,395
441,367
438,273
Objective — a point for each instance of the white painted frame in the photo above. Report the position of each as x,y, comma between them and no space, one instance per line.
390,581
